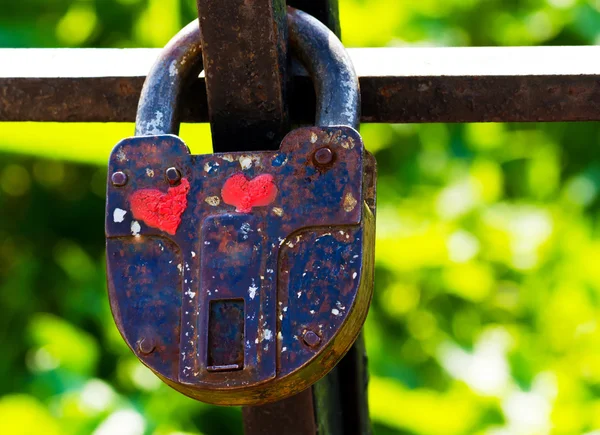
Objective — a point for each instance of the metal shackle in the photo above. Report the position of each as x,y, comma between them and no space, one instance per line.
314,45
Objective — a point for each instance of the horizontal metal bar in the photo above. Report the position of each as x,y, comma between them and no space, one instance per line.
511,84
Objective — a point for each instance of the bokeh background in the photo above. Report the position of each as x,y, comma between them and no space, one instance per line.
487,298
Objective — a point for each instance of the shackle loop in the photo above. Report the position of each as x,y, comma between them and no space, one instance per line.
314,45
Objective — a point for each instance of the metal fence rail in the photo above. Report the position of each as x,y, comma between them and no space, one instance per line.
398,85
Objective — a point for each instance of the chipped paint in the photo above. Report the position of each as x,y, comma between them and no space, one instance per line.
335,312
155,125
213,200
121,156
135,228
348,143
119,215
209,166
278,211
252,290
173,68
150,172
245,162
267,335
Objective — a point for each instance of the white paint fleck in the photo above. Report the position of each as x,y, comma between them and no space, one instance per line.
285,309
313,137
190,293
135,228
269,270
154,126
252,290
279,336
193,254
207,243
299,294
180,267
335,312
312,311
339,305
284,349
281,317
267,335
245,230
150,172
121,156
304,274
278,211
209,166
119,215
245,162
173,69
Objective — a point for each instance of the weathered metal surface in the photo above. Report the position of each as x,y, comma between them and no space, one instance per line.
326,11
326,59
171,74
303,262
294,415
509,84
245,58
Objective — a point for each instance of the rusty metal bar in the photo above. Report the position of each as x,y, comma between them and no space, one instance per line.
516,84
244,47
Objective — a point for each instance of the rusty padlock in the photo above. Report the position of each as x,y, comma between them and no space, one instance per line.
243,278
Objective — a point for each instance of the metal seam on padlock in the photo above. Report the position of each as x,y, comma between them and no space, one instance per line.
243,278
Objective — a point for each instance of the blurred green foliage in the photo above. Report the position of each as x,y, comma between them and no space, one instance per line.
487,302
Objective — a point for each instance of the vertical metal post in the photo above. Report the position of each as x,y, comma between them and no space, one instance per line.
244,47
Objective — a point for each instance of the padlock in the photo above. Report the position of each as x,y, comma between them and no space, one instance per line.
243,278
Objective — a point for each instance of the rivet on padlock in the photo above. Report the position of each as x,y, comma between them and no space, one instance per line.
243,278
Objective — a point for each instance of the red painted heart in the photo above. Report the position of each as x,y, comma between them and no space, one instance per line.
158,209
245,194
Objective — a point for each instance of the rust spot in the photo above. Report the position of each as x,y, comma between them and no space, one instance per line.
349,202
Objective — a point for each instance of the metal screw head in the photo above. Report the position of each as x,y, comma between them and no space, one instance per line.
119,178
311,339
146,345
324,156
173,175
